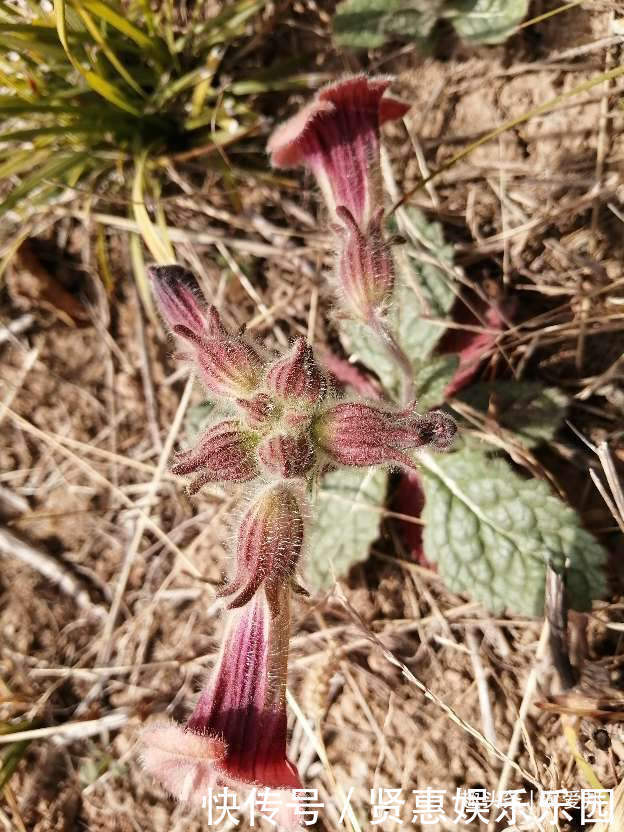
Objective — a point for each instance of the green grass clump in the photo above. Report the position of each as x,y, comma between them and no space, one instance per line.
91,88
103,97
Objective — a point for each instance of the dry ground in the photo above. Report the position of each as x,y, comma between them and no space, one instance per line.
105,618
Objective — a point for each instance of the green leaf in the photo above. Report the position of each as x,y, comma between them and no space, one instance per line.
197,418
347,515
424,289
367,24
155,239
526,408
487,21
493,533
431,379
359,24
122,24
413,20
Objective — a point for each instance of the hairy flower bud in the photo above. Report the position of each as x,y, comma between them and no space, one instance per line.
297,376
236,736
224,453
436,429
357,434
228,366
337,137
259,410
286,455
177,294
268,545
365,270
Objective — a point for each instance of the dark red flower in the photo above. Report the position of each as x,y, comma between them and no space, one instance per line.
236,735
224,453
356,434
337,136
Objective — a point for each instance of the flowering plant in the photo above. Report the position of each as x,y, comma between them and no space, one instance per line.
278,427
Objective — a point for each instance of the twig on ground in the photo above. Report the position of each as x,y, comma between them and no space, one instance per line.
70,730
13,546
487,717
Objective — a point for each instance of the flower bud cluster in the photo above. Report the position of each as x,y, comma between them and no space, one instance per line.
279,426
281,423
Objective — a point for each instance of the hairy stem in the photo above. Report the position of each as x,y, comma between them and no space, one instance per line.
399,357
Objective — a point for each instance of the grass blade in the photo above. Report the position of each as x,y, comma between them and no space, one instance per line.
103,87
140,278
114,60
159,247
122,24
54,168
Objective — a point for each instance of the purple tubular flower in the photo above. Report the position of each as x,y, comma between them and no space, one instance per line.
355,434
337,137
365,270
177,294
236,736
268,546
224,453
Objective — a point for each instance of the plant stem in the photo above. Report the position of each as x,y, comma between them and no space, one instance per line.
399,357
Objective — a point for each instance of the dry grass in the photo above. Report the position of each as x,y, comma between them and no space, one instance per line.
108,570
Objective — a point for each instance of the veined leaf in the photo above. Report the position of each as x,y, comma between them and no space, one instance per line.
486,21
493,534
367,24
347,516
431,380
359,24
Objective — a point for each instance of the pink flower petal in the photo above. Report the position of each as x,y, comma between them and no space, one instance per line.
337,137
183,762
244,704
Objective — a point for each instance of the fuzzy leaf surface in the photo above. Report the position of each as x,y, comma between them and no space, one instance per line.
347,518
431,380
359,24
493,533
197,419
